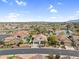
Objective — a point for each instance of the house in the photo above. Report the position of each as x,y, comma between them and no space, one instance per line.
38,40
11,40
64,40
76,39
20,33
64,32
63,37
8,39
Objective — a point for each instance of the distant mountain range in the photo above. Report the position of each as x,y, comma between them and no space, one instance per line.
77,20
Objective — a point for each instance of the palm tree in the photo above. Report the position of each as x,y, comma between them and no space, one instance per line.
29,39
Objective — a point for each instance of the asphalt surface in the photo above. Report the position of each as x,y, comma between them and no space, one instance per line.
40,51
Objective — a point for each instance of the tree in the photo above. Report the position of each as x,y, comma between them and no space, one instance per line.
68,27
62,43
11,57
57,57
1,42
52,40
50,56
29,39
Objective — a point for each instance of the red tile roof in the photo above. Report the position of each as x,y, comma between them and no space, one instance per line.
21,33
7,39
40,36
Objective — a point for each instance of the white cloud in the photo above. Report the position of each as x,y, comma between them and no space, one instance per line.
11,17
74,16
77,11
57,19
21,3
59,3
51,6
5,1
53,17
53,11
18,2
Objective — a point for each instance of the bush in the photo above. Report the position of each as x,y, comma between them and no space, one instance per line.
52,40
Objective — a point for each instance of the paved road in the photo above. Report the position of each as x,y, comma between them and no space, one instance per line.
39,50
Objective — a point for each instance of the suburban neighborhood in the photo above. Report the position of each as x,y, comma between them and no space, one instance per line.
39,35
39,29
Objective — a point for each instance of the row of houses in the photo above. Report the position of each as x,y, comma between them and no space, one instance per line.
23,35
37,39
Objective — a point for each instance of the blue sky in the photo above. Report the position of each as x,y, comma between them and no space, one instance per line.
38,10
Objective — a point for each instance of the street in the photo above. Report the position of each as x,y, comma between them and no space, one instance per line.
40,51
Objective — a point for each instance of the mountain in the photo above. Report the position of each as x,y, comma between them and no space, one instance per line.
77,20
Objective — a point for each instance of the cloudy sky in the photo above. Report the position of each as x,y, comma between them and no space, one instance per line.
38,10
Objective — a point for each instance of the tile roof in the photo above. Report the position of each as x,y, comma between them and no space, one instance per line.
21,33
40,36
7,39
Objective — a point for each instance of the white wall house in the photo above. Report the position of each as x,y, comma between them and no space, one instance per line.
39,40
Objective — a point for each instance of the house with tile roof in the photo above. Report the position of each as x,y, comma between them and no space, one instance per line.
21,33
38,40
64,40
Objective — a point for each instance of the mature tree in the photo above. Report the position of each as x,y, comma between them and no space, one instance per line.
51,56
11,57
1,42
57,57
52,40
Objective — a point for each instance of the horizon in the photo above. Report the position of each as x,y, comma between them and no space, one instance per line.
38,10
